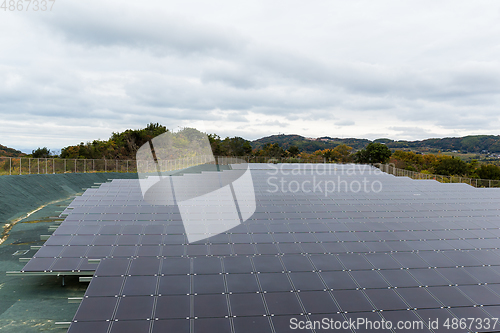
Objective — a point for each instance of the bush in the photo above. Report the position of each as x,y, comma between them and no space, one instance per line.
41,152
6,165
373,153
451,166
489,171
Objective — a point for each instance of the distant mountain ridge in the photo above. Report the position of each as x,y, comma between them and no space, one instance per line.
470,143
308,144
10,152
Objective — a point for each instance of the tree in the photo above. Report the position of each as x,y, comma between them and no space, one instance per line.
293,151
229,146
472,167
451,166
408,160
489,171
41,152
215,143
326,154
272,150
373,153
119,146
342,153
236,146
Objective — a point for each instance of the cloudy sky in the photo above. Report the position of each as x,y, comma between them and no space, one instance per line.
400,69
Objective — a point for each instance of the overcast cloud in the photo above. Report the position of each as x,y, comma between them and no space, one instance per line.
367,69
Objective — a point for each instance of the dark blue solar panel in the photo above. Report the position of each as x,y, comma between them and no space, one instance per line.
416,250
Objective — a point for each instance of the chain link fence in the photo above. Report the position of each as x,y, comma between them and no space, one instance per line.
391,169
34,166
31,166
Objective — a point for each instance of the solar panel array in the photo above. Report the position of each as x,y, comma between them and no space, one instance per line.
401,250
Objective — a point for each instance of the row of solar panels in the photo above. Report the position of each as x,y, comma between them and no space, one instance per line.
417,250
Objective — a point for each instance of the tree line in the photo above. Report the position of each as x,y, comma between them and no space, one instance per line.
124,146
443,165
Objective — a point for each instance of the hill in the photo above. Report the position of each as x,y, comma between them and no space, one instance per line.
10,152
124,145
470,144
308,145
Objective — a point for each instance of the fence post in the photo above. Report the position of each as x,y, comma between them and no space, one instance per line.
75,165
127,166
116,169
10,165
29,166
490,183
20,159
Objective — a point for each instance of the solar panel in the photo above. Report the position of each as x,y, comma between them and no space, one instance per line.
413,250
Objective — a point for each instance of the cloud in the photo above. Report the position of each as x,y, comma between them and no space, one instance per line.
253,69
139,27
406,133
232,76
345,123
